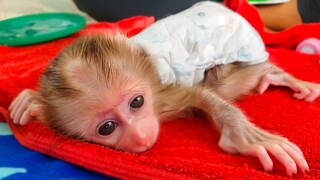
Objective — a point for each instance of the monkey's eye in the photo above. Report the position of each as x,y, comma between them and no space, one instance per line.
137,102
107,128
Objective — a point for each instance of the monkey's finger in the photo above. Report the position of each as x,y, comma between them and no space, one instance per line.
14,103
256,136
301,95
290,144
21,96
273,79
301,91
283,157
311,94
300,160
20,109
25,118
261,135
259,152
280,140
263,86
311,97
293,146
315,93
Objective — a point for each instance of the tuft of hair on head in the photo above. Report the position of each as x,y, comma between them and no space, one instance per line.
111,55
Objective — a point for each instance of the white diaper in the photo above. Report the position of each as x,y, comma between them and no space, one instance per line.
183,46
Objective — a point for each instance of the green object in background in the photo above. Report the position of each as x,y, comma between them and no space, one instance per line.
257,2
37,28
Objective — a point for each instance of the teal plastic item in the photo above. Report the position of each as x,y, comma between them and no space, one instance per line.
266,2
37,28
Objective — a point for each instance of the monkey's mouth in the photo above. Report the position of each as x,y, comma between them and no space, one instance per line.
141,149
133,147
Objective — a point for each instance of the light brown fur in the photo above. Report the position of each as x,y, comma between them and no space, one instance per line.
95,80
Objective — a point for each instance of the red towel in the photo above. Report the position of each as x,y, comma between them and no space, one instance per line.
186,149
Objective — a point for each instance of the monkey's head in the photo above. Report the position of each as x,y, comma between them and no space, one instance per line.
101,89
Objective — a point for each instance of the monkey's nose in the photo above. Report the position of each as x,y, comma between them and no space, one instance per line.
137,142
142,135
142,138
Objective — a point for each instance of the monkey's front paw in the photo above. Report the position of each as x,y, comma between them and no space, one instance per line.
256,142
24,107
303,90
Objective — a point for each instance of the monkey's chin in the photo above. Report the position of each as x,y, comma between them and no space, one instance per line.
138,148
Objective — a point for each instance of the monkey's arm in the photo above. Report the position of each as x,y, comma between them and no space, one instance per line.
238,134
25,107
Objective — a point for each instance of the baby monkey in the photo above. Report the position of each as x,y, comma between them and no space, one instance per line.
108,89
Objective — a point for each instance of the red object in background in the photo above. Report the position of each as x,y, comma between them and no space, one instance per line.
186,149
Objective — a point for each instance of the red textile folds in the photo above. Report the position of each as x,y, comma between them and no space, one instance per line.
186,149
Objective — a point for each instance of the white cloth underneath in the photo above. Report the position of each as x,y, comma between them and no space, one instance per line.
183,46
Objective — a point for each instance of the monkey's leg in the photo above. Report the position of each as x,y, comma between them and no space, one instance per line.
233,81
25,107
303,90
